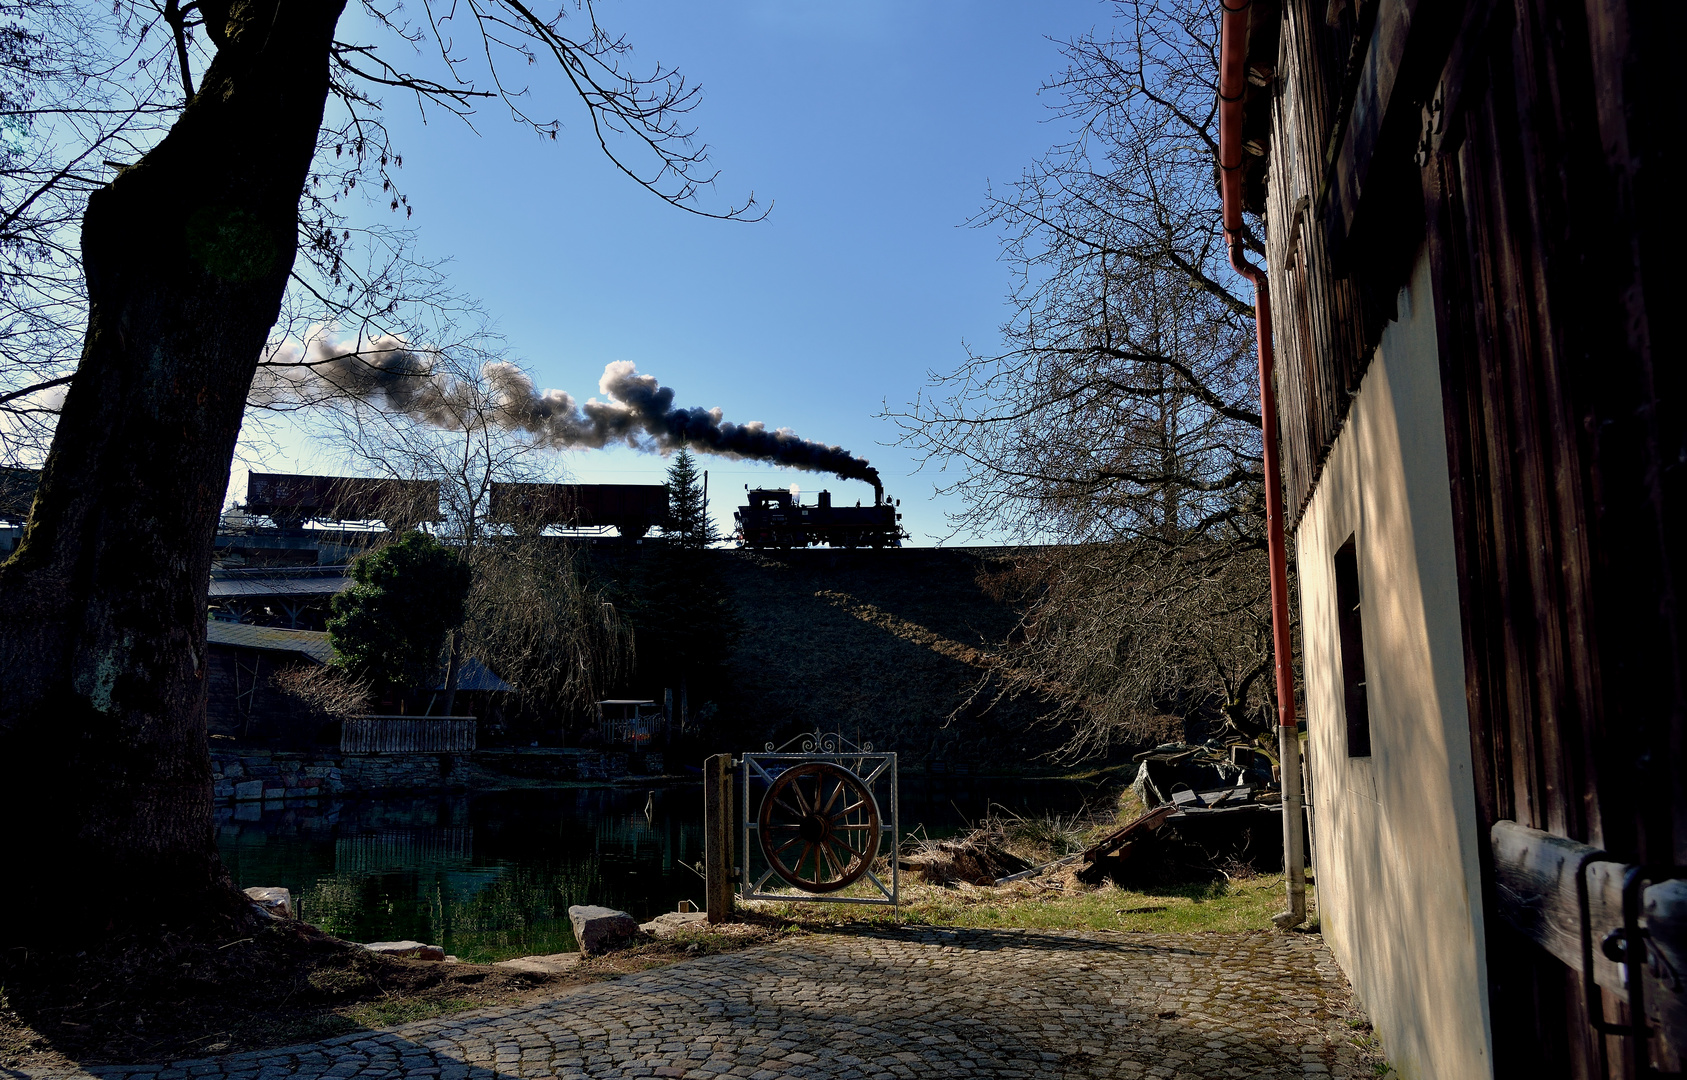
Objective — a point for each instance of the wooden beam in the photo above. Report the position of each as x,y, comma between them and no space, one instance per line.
717,837
1535,884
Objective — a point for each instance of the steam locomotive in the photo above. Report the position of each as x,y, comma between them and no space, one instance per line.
776,518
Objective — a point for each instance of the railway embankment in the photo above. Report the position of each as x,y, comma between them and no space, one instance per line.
894,646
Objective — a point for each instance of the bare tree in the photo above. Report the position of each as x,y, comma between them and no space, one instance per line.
534,612
64,112
78,115
188,252
1116,436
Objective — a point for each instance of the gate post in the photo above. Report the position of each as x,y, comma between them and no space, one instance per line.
717,837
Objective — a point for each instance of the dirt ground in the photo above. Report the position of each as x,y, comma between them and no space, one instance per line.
176,997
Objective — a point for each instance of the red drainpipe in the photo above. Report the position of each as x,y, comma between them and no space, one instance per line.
1232,86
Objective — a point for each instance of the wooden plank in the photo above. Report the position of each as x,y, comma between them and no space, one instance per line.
1535,884
1113,839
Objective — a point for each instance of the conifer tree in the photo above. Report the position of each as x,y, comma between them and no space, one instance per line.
688,506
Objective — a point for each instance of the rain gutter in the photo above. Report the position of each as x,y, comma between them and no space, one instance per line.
1232,88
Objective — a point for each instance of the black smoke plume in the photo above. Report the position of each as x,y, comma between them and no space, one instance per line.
640,412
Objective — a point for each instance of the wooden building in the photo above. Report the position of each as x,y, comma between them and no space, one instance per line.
1468,228
242,700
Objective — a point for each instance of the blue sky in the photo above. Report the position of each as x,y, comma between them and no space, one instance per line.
873,127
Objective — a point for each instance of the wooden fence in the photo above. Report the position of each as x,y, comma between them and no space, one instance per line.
406,735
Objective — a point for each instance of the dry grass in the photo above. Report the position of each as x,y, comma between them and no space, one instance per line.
1005,843
1061,903
950,885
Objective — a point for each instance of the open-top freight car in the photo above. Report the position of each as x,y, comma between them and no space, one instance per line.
776,518
290,499
632,509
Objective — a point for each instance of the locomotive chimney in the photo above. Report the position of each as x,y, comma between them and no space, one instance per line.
872,477
825,500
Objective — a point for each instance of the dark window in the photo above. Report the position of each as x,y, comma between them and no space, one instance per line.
1352,651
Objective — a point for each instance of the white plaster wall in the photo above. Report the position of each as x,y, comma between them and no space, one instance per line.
1398,889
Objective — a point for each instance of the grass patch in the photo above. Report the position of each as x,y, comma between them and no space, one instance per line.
1221,907
375,1014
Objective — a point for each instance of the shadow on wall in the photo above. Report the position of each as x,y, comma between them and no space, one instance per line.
882,646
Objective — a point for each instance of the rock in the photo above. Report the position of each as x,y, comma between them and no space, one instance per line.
249,791
415,950
276,903
600,929
554,964
665,925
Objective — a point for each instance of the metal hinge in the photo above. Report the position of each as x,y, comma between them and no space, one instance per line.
1629,946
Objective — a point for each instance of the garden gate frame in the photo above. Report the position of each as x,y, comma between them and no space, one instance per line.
876,772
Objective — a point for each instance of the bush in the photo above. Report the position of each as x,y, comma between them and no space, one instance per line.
389,628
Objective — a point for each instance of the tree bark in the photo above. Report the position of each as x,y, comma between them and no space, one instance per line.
105,809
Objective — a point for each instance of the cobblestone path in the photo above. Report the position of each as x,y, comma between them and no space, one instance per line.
888,1006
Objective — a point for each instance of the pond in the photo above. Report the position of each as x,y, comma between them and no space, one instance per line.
491,875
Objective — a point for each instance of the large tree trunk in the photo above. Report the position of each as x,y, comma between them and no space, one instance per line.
105,801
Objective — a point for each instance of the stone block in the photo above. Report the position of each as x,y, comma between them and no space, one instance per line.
665,925
551,964
600,929
233,770
414,950
249,791
271,792
274,902
222,789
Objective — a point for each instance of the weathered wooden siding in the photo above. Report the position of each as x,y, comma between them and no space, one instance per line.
1324,332
1563,435
406,735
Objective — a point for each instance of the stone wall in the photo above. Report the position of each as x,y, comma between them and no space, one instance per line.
251,775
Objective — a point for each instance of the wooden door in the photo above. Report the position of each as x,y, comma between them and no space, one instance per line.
1542,173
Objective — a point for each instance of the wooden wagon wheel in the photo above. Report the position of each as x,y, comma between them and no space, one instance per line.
819,827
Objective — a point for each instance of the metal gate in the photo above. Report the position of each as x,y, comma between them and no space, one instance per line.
818,813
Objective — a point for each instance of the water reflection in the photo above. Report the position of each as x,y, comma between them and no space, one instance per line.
487,876
492,875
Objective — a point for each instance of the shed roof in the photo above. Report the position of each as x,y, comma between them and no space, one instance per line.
225,585
311,643
474,675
